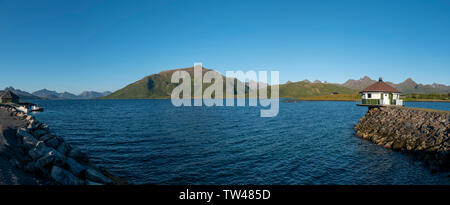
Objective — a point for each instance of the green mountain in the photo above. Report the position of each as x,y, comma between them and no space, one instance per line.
307,89
160,86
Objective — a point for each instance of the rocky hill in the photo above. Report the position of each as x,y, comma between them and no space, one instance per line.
160,86
307,89
53,95
408,86
22,94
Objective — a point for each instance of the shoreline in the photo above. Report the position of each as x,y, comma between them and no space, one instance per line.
418,131
285,99
294,100
34,153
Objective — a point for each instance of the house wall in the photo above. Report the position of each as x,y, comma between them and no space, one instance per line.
377,95
9,101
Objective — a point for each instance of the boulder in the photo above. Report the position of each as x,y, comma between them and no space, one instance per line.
74,167
78,155
39,132
23,132
35,168
91,183
44,127
40,150
52,142
29,117
60,159
62,148
46,137
32,124
46,159
94,175
15,163
29,141
31,167
64,177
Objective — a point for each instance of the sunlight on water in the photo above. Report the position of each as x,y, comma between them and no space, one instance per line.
150,141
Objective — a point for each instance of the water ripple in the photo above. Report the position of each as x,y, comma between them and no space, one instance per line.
150,141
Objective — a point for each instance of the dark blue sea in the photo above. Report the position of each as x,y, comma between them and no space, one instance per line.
153,142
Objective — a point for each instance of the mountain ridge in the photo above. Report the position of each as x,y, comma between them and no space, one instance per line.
53,95
408,86
159,86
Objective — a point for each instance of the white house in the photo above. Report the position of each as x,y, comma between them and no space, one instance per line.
380,93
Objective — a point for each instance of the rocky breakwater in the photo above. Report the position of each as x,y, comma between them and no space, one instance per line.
48,156
423,132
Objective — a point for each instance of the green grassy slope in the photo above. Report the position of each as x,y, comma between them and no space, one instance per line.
159,86
305,89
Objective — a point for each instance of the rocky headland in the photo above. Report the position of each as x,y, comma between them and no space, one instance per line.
31,154
422,132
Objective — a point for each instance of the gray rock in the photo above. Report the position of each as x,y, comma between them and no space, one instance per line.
39,132
46,137
40,150
74,167
29,117
35,168
31,167
64,177
32,124
23,132
96,176
44,127
28,141
62,148
46,159
78,155
15,163
91,183
60,159
52,142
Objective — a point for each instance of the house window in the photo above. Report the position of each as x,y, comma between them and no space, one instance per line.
369,95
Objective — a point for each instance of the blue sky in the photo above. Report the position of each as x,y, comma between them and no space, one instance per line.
105,45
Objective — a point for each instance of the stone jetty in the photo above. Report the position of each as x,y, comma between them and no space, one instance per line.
423,132
44,155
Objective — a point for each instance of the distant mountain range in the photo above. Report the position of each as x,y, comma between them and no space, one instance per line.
160,86
22,94
53,95
408,86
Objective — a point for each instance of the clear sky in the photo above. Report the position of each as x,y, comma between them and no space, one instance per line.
78,45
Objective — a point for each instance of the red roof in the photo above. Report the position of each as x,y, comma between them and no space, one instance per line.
381,86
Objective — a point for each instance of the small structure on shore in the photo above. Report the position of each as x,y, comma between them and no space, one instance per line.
8,97
380,94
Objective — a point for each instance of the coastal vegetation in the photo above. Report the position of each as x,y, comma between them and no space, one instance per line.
357,97
428,97
334,97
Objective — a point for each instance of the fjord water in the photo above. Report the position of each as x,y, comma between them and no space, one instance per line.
153,142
